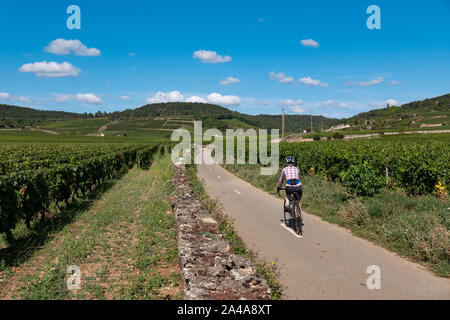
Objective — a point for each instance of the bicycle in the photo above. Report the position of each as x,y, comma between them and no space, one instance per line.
295,212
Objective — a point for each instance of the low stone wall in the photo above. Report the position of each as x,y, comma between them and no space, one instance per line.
211,271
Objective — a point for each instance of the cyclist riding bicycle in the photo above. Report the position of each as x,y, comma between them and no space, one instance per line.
291,174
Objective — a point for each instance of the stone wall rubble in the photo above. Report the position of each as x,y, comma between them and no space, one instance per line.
211,270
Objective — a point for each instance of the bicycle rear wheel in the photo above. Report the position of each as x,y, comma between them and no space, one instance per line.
298,219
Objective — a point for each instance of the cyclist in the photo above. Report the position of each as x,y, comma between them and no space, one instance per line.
291,174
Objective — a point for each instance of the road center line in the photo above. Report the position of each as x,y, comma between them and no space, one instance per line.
237,191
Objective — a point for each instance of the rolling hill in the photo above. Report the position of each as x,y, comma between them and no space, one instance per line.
425,114
213,116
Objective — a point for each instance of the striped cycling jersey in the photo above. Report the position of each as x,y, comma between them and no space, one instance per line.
288,173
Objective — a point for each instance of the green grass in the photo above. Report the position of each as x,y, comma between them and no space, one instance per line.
124,243
416,228
78,126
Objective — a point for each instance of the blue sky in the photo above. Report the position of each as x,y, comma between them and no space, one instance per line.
132,52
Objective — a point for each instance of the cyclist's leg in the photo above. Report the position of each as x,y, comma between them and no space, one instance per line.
286,199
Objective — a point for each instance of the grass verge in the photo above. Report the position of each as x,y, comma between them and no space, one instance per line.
124,244
416,228
267,270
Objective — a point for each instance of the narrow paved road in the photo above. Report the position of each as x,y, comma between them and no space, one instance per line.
327,262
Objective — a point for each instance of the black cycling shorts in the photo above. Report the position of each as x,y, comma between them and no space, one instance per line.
297,191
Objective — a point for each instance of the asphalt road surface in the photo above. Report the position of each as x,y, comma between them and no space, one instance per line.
327,261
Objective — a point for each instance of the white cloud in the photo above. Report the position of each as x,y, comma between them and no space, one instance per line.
88,98
24,99
4,96
51,69
289,102
293,105
383,104
132,54
392,102
65,47
365,83
217,98
335,104
125,98
196,99
297,109
281,77
309,43
312,82
177,96
394,83
229,80
207,56
173,96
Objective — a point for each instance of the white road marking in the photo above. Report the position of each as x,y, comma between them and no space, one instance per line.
237,191
219,177
283,225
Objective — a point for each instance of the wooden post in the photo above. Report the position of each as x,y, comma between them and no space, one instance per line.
387,176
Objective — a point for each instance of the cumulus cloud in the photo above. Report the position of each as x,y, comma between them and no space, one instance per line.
51,69
207,56
293,105
382,104
297,109
217,98
177,96
159,97
289,102
229,80
280,77
392,102
196,99
24,99
88,98
365,83
65,47
312,82
4,96
309,43
335,104
7,96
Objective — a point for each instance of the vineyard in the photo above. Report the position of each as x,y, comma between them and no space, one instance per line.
33,177
413,166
